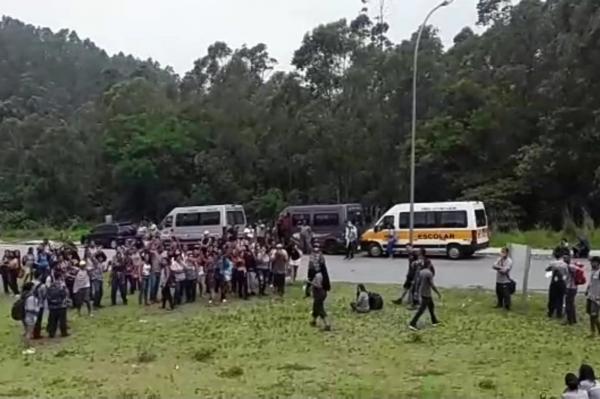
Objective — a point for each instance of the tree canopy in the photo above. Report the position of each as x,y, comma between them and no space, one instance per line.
510,117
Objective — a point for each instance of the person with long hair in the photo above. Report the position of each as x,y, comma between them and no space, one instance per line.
572,390
362,300
588,381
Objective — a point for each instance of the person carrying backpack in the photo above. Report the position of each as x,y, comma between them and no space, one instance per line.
26,309
39,291
57,295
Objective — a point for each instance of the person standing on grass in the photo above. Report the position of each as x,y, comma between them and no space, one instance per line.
571,292
191,277
558,287
155,261
40,291
279,262
320,286
97,278
145,272
503,267
81,289
118,279
57,295
593,296
426,286
31,309
573,391
166,283
295,255
263,262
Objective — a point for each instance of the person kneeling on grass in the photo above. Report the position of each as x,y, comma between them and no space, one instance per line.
588,381
320,285
362,300
572,391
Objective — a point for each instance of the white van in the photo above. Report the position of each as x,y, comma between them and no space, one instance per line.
457,229
189,223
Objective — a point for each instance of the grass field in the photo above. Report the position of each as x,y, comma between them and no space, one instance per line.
540,239
267,349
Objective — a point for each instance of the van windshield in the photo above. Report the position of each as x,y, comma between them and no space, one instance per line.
235,218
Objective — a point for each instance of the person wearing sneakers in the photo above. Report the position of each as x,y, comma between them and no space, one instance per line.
426,286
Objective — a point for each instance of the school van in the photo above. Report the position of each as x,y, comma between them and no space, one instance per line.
327,222
190,223
456,229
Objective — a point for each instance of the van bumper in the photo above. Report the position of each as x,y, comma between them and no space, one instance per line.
477,247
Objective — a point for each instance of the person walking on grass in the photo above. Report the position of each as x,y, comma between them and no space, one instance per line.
320,286
426,286
503,267
593,296
410,280
57,295
279,262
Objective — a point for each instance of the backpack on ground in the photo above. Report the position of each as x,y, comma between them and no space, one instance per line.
17,311
580,274
55,295
375,301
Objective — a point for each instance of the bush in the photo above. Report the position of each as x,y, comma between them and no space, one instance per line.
203,354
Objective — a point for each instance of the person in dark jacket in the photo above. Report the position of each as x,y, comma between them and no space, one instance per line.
56,296
410,280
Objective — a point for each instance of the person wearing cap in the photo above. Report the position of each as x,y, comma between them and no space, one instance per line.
593,296
81,289
279,263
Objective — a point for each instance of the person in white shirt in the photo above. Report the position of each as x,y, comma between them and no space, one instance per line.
82,288
31,309
351,236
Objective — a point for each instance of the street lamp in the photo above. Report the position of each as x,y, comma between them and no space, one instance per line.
414,119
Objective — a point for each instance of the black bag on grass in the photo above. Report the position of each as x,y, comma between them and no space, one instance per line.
375,301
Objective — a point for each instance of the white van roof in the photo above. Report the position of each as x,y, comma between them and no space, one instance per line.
205,208
439,206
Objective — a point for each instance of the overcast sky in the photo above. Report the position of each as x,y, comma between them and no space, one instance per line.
176,32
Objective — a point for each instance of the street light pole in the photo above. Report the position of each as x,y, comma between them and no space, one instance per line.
414,120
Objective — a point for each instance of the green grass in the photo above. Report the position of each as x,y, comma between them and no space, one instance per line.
540,239
265,348
54,234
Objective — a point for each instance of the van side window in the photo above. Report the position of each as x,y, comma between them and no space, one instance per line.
198,219
480,218
326,219
423,220
298,218
453,219
235,218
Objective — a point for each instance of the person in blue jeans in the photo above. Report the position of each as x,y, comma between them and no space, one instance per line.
390,243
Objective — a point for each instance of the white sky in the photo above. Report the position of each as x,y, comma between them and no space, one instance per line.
177,32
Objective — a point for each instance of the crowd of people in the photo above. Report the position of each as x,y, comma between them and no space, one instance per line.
168,273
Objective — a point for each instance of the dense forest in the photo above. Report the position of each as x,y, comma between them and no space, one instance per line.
510,117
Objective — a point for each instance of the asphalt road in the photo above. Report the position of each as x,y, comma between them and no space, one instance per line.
474,272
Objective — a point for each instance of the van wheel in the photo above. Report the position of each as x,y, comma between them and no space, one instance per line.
375,250
454,251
